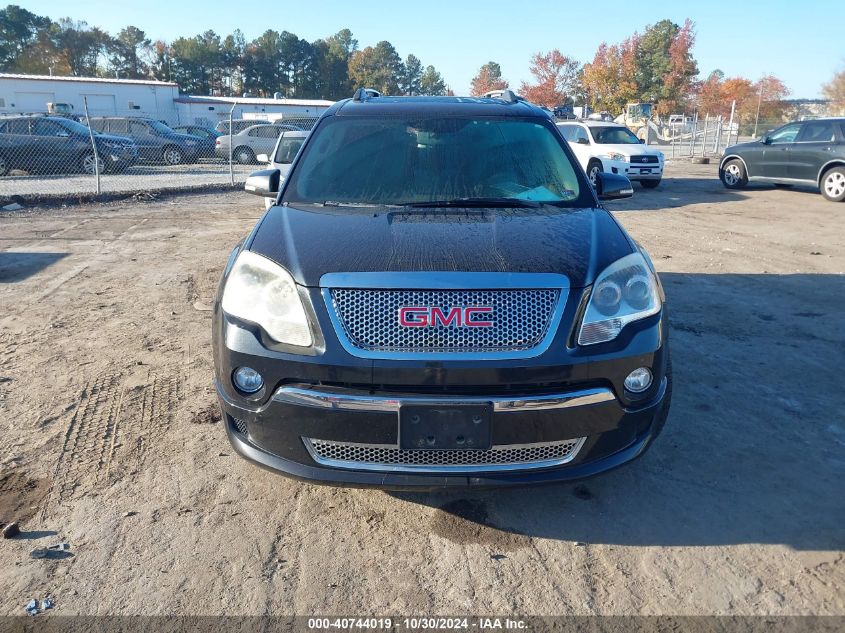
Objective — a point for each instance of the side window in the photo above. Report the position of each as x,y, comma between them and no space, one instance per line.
816,132
48,128
581,135
137,128
254,132
568,131
271,132
17,126
786,134
288,149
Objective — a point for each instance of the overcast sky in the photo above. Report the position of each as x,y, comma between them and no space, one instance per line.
803,44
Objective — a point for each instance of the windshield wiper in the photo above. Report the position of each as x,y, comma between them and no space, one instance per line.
516,203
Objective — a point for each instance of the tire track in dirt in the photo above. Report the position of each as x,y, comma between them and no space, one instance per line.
110,433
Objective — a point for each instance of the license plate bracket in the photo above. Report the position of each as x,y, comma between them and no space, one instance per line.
446,426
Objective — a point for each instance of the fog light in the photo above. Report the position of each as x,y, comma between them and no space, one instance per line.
248,380
638,380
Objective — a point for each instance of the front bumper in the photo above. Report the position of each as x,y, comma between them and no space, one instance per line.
605,435
634,171
567,393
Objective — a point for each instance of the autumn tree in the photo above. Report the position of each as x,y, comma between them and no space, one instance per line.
556,77
665,68
835,91
79,46
489,78
378,67
609,81
19,34
432,83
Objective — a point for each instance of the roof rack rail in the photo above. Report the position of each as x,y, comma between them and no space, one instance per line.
363,94
508,96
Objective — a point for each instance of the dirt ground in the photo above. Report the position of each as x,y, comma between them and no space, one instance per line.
110,438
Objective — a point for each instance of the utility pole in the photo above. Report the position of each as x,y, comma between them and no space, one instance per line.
759,101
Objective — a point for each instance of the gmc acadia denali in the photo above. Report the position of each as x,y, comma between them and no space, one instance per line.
438,299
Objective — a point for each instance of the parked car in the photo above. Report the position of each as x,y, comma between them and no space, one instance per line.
800,153
254,140
156,141
207,137
58,144
286,149
439,300
609,147
238,125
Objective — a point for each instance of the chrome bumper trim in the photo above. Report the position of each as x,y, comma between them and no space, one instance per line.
339,399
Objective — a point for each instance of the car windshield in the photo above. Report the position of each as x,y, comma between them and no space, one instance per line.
160,127
401,161
614,136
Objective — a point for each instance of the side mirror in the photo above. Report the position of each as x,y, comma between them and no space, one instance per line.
264,182
642,141
765,140
582,141
613,187
262,158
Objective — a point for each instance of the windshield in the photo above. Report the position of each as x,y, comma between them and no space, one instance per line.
412,161
614,136
160,127
287,149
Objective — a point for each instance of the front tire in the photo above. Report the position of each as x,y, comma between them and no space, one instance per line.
594,168
833,184
172,155
650,184
91,164
733,174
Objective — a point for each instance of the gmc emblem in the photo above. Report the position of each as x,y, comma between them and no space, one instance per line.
418,316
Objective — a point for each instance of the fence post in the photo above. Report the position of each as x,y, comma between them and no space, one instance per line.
93,145
231,167
704,137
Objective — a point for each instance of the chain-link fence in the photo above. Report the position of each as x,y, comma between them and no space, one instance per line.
49,155
708,136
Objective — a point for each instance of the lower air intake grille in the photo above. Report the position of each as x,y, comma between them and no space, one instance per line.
375,457
240,425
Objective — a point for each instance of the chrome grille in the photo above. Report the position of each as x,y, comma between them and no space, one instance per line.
370,319
385,457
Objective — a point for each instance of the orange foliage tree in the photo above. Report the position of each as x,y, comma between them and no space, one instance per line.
489,78
556,78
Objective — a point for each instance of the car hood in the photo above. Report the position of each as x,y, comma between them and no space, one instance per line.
183,137
310,241
740,146
628,149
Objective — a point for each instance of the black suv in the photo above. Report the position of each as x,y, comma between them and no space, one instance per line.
800,153
49,144
439,299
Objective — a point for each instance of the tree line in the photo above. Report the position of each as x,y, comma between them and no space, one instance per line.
654,66
211,64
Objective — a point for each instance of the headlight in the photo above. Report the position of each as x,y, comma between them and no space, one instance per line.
625,291
617,156
264,293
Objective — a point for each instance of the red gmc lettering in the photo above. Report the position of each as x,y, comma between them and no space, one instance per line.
418,316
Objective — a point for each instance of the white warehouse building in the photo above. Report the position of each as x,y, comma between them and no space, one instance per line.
141,98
